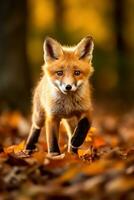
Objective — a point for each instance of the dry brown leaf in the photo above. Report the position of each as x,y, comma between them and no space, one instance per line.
68,174
120,184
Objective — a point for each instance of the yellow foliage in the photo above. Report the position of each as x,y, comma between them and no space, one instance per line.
42,13
87,17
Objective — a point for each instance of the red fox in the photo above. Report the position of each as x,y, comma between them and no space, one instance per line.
63,93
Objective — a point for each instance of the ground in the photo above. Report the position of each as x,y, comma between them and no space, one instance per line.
103,168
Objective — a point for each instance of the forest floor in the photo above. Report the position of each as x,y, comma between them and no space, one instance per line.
102,170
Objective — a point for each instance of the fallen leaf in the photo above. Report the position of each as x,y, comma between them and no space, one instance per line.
90,134
15,148
39,156
82,152
98,141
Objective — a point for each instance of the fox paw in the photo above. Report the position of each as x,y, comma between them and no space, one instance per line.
73,149
55,156
29,151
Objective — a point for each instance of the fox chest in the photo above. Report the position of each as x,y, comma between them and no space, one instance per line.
67,106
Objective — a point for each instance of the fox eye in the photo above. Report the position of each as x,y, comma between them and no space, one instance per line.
59,73
76,72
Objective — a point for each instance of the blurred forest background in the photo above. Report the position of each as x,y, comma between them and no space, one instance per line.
24,25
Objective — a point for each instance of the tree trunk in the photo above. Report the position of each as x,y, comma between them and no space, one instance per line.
15,82
122,54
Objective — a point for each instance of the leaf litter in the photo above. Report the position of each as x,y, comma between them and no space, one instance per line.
102,169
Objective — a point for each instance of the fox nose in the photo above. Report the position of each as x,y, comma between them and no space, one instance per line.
68,87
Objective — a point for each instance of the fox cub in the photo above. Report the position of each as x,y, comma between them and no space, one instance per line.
63,93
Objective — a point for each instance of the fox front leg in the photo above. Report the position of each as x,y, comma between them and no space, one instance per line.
37,124
70,125
80,133
52,134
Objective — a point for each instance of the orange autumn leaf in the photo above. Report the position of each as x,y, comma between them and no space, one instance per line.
98,141
9,149
82,152
39,156
14,148
92,130
90,134
88,138
19,147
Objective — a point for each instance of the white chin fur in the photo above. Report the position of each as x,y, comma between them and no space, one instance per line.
64,92
61,87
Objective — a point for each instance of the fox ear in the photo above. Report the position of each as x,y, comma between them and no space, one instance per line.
52,49
84,49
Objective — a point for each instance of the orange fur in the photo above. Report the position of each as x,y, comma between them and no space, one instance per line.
51,101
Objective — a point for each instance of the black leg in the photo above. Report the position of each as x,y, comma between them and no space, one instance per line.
80,134
52,138
52,135
54,147
32,139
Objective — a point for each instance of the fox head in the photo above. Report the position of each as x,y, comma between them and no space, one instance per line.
68,68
